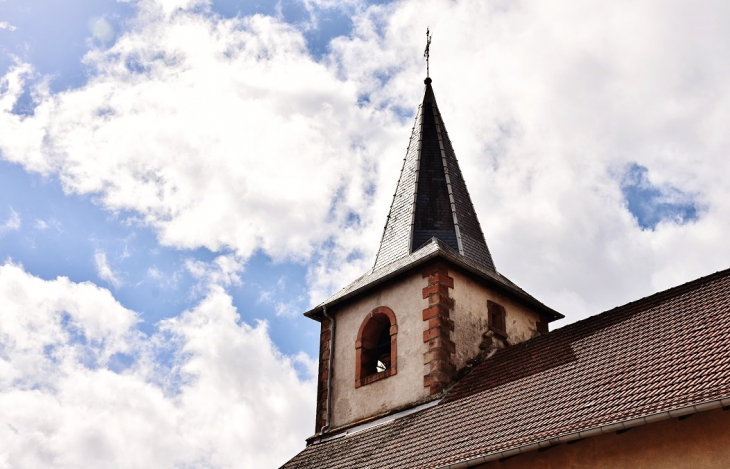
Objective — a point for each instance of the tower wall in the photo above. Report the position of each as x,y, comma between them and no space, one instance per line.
470,317
351,403
441,316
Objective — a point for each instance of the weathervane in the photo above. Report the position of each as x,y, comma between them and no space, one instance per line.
425,53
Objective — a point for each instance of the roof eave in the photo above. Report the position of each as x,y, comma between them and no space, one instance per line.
589,432
316,312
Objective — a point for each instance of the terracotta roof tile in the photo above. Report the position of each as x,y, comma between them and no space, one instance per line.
658,354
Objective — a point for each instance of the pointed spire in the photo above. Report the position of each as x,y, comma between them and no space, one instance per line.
431,199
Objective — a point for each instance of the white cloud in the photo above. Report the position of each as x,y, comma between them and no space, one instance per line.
205,391
547,104
104,271
223,270
221,133
319,10
289,308
224,133
11,224
43,225
8,26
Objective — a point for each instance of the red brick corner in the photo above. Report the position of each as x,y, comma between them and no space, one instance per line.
441,349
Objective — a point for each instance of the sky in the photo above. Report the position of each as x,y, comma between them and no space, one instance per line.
181,179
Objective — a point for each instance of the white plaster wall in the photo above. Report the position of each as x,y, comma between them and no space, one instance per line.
470,317
350,404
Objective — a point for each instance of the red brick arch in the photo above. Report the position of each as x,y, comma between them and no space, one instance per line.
377,322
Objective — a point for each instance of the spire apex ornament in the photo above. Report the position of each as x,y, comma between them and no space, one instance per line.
426,53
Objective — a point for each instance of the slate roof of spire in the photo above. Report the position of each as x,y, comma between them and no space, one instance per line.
431,199
663,356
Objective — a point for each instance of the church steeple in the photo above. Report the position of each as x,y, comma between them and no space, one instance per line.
432,306
431,199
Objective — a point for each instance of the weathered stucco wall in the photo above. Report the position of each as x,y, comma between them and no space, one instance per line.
405,297
698,442
350,404
471,320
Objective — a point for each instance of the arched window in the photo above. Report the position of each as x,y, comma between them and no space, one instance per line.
376,347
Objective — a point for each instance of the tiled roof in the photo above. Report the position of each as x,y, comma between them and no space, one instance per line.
432,248
431,199
661,353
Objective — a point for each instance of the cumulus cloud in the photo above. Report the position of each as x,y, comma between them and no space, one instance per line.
12,223
104,271
52,224
548,107
81,387
223,270
226,134
318,11
222,133
8,26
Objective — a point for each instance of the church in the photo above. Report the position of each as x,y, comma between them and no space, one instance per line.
433,359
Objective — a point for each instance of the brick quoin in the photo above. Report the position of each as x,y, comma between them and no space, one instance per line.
441,349
434,311
324,362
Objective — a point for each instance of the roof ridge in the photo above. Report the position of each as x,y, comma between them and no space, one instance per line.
466,189
439,127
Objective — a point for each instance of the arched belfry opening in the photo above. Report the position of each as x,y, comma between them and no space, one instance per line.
376,347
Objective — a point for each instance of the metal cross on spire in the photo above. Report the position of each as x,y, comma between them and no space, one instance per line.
425,53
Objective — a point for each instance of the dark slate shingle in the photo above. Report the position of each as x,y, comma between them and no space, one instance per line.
431,199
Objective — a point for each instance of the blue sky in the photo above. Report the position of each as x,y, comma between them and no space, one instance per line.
181,179
60,233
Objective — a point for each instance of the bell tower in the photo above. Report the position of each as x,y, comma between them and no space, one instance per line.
432,306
